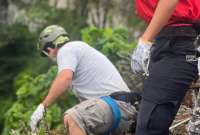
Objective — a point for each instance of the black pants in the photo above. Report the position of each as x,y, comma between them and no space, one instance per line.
172,70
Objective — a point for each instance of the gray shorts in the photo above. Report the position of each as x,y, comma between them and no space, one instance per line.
94,116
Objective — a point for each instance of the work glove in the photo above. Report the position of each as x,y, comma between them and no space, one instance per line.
36,117
141,57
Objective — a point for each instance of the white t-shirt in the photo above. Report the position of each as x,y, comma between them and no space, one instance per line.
94,75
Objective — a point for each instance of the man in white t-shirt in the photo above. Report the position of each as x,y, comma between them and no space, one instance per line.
92,76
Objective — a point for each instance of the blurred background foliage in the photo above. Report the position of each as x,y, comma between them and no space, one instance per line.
109,26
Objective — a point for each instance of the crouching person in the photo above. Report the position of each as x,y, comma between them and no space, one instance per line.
106,103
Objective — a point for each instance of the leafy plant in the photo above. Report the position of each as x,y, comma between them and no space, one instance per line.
30,93
112,42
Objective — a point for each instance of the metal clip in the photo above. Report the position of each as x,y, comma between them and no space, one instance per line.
197,43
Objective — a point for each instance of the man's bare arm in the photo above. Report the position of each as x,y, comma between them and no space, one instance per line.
162,14
58,87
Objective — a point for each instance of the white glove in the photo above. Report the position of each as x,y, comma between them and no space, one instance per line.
36,117
140,57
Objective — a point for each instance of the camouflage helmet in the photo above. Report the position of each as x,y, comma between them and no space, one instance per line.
53,36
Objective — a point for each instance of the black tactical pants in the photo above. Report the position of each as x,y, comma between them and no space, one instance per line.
172,70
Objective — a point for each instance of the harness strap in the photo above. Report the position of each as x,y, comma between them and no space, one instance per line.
116,117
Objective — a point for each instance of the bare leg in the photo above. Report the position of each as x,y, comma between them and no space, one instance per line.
71,126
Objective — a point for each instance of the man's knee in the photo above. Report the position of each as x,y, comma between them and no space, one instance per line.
67,119
71,127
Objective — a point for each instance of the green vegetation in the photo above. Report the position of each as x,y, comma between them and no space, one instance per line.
111,42
26,77
30,93
18,54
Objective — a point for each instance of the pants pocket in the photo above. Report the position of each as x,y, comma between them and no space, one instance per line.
97,116
161,118
161,48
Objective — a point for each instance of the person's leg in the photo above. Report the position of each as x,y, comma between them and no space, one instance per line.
169,79
155,119
91,116
72,127
144,113
163,92
128,119
94,117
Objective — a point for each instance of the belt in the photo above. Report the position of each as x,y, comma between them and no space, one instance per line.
178,31
133,98
197,27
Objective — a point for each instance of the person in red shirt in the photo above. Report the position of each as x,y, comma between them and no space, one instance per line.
168,42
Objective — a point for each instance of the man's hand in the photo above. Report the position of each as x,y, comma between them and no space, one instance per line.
36,117
59,86
140,57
